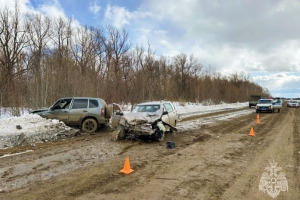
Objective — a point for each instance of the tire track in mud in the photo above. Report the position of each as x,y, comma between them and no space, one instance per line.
274,142
297,148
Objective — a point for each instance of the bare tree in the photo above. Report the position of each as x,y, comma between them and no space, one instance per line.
116,45
61,39
184,69
37,28
13,41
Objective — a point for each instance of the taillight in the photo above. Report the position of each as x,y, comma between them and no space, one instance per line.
102,111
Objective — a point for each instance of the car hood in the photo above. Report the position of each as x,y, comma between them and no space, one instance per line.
142,117
39,110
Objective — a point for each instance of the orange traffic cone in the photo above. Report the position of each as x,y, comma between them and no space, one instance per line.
251,132
126,169
257,121
257,116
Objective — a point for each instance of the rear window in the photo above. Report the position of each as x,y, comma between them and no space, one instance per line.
80,104
93,103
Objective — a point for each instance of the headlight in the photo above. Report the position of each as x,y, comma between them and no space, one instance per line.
122,122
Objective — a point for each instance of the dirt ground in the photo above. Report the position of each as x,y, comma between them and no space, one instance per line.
215,161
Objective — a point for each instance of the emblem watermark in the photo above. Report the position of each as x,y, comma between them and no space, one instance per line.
273,181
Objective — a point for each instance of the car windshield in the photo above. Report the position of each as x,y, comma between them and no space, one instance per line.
146,108
293,101
264,101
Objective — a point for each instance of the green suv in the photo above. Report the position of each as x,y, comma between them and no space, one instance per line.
85,112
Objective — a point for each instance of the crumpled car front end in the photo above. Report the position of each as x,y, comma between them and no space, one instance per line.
142,124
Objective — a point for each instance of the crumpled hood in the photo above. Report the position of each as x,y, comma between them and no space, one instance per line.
142,117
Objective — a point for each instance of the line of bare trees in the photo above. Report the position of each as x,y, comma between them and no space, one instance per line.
43,59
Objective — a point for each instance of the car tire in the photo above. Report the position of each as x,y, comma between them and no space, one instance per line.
169,129
162,137
159,135
89,125
108,111
121,135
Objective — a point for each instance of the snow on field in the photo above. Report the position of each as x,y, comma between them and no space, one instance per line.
31,128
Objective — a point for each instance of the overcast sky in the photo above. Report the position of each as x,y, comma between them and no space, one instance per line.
260,38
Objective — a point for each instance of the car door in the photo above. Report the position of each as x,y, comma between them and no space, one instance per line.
117,113
58,110
78,111
172,114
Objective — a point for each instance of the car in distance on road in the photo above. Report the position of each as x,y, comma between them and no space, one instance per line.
253,100
264,105
85,112
277,104
293,103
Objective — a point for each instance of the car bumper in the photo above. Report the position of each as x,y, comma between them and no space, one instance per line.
264,109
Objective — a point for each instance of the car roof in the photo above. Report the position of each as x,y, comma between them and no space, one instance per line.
102,100
266,99
80,98
153,103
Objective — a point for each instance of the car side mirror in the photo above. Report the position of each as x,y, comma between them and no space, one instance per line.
165,112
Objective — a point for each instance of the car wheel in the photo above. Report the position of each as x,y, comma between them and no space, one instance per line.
162,137
89,125
118,134
121,135
108,111
159,135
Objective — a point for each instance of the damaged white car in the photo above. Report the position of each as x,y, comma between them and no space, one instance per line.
147,119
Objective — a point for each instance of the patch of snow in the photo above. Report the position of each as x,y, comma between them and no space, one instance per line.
197,123
189,109
31,129
30,124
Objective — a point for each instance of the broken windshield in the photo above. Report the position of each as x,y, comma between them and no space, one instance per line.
146,108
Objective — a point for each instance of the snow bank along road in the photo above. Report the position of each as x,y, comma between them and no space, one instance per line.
216,159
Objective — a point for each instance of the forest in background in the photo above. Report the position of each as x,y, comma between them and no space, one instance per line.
43,59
